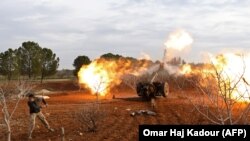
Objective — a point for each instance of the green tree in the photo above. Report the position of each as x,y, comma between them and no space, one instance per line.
19,63
79,61
111,56
8,63
49,63
29,54
131,59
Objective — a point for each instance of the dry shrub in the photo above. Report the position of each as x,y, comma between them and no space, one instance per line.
215,100
91,116
11,94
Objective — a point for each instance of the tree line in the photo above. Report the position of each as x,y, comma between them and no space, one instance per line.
30,60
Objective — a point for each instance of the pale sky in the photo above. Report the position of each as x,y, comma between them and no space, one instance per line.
127,27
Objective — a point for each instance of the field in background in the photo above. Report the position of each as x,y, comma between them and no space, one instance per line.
66,101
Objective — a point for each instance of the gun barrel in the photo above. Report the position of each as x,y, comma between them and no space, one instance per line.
152,80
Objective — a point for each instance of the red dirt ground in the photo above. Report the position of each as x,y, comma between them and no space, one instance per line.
117,125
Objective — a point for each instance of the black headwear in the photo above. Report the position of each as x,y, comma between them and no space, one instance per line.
31,95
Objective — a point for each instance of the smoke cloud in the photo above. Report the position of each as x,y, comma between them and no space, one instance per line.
177,43
145,56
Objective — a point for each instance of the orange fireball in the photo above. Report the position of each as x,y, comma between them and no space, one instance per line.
102,75
97,77
186,69
235,70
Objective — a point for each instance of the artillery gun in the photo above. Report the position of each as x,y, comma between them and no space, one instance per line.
152,89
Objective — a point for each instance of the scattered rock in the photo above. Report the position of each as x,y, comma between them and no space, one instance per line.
143,112
128,109
43,91
133,114
151,113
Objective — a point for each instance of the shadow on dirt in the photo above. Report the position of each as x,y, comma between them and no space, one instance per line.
135,99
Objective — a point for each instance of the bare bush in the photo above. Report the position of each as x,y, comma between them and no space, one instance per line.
216,99
11,94
91,116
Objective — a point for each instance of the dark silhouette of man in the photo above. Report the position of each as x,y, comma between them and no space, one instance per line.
35,111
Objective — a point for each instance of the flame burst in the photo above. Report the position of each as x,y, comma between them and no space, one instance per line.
233,70
102,75
186,69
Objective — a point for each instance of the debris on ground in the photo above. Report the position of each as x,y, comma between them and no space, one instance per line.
43,96
128,109
143,112
43,91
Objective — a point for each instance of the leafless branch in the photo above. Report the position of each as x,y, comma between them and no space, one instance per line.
91,116
219,104
11,94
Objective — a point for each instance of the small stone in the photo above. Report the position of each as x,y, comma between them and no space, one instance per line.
132,114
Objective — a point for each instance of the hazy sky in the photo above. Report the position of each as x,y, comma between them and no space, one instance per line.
128,27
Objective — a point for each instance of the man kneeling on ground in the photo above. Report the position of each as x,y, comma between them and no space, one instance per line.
35,111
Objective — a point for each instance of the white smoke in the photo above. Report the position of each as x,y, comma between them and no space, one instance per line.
144,56
172,69
177,44
179,40
151,69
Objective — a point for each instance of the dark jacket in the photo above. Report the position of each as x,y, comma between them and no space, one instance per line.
34,106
